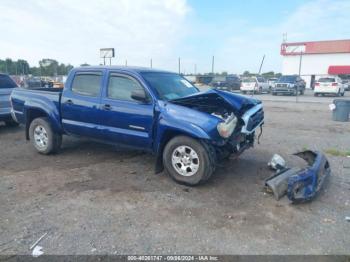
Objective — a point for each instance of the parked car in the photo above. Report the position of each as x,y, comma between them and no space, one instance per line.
272,82
254,85
346,84
289,84
7,85
38,82
155,111
229,83
329,85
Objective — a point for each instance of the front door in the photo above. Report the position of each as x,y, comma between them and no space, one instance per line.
123,119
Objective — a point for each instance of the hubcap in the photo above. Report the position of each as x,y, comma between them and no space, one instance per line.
40,137
185,161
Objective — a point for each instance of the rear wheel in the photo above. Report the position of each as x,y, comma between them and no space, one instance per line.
43,138
188,161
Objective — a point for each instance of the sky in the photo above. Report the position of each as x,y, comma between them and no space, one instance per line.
237,33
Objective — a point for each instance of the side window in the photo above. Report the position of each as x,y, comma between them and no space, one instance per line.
121,87
87,84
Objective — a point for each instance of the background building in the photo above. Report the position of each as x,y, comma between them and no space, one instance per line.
318,58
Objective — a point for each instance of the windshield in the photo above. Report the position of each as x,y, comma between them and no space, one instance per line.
287,79
326,79
169,86
7,82
248,80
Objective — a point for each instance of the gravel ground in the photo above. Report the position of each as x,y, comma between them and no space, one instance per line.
99,199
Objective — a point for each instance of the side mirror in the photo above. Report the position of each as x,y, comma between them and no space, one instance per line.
139,95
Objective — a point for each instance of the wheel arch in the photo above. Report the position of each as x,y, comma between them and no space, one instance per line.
166,136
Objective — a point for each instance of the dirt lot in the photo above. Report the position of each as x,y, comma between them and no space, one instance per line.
98,199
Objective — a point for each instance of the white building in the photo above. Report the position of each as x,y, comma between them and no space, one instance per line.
316,59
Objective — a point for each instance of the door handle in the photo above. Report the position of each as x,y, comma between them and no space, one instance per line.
69,102
107,107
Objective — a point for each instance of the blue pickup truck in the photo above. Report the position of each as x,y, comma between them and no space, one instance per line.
152,110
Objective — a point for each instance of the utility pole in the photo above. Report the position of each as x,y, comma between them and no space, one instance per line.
195,69
300,61
126,62
212,65
151,63
179,65
262,62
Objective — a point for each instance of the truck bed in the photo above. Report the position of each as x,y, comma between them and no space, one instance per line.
22,97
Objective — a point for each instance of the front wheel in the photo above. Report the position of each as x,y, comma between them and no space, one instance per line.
43,138
188,161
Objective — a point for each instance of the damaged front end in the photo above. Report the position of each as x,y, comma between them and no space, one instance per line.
301,184
239,118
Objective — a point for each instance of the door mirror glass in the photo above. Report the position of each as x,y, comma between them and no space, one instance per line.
139,94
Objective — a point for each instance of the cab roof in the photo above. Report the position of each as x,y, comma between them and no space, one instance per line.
131,69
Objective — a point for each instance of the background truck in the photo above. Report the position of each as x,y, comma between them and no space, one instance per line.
6,87
156,111
289,84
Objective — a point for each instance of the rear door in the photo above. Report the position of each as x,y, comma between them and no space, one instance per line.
123,119
6,87
80,104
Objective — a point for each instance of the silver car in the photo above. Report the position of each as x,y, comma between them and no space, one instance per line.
6,87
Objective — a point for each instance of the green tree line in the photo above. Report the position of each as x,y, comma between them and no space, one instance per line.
47,67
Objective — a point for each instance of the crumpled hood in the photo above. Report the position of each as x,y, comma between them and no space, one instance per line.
214,97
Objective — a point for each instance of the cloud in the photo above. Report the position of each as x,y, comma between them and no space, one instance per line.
312,21
73,31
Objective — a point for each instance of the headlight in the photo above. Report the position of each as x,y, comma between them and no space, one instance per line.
291,85
226,128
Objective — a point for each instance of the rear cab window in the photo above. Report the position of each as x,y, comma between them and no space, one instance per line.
327,80
87,83
7,82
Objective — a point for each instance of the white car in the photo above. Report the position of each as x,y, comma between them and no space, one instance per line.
254,85
329,85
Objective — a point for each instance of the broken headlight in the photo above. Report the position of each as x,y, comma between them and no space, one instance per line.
227,127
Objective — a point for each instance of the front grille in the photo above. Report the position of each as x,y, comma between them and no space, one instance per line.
282,85
255,120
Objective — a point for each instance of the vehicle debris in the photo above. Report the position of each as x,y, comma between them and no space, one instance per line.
300,184
38,241
37,251
277,162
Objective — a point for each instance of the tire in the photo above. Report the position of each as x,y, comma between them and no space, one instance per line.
11,123
244,92
315,94
302,92
295,92
338,94
342,94
204,165
46,142
274,93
